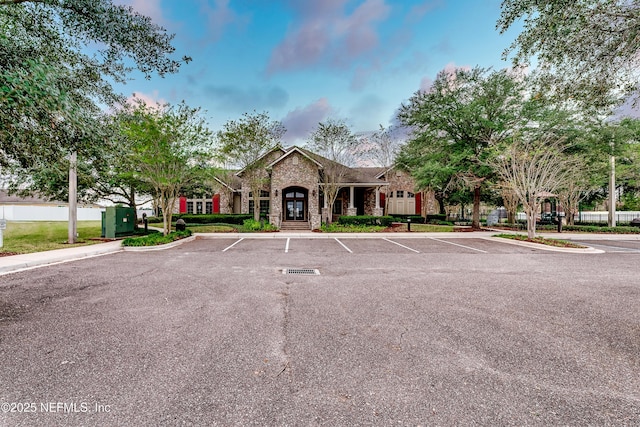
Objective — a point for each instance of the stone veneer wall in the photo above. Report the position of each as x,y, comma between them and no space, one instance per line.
400,180
244,203
295,171
225,195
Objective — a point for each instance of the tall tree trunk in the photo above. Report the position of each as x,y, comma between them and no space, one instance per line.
440,199
256,206
531,209
132,203
475,222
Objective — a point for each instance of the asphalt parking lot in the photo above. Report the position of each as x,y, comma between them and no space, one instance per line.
463,331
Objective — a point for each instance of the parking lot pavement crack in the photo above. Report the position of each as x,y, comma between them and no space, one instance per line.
284,354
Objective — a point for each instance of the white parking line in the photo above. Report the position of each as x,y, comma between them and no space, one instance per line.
621,249
229,247
286,248
456,244
406,247
350,251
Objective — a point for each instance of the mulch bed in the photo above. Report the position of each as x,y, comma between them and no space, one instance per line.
8,253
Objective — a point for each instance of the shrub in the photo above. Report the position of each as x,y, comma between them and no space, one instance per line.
592,229
213,218
351,228
253,225
156,239
415,219
384,221
436,217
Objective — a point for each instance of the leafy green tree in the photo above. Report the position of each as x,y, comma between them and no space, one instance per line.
333,140
245,143
50,85
456,123
587,49
170,145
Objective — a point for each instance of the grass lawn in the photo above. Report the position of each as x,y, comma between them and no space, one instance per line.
211,228
430,228
27,237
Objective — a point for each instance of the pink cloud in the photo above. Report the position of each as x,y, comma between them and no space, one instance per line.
150,100
425,84
326,32
150,8
301,121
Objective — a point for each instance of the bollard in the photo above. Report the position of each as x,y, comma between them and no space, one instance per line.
408,224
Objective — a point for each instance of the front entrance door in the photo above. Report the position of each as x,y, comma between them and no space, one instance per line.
295,206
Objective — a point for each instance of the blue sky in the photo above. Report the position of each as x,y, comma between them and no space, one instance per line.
305,61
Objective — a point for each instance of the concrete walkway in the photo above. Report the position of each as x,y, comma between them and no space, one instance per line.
15,263
25,261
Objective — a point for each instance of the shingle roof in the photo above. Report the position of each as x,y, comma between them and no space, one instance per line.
13,199
353,175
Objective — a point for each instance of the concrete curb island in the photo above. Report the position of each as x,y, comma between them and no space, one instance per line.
15,263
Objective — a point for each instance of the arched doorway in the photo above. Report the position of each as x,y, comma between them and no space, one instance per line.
295,204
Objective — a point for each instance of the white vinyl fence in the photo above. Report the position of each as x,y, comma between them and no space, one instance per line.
47,213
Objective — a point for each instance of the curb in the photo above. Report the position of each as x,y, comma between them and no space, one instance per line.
41,259
159,247
586,250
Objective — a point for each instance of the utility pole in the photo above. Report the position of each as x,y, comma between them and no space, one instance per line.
73,197
612,191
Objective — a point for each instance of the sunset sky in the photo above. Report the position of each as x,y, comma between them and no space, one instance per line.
306,61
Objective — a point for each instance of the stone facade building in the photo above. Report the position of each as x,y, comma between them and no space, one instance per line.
292,182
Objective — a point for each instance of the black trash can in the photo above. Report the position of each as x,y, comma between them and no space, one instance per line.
181,225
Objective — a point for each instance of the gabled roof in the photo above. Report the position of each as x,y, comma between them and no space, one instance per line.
291,150
234,183
275,148
352,175
14,199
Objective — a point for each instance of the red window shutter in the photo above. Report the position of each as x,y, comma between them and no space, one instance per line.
216,203
418,203
183,204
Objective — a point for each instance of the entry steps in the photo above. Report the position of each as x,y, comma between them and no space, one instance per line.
295,226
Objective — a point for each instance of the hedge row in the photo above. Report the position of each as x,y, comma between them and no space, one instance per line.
415,219
366,220
594,229
156,239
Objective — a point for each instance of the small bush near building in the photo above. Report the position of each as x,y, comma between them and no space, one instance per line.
384,221
436,217
415,219
155,239
351,228
213,218
251,224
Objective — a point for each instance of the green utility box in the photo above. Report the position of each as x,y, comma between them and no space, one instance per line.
118,221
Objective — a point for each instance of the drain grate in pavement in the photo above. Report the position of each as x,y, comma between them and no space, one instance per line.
301,271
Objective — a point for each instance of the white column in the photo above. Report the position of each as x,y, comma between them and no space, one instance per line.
377,197
351,196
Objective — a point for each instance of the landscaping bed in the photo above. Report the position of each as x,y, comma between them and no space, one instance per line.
156,239
542,240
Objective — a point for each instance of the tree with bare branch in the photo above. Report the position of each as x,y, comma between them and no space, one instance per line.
534,169
334,140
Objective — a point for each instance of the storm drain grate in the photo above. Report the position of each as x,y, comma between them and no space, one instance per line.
301,271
